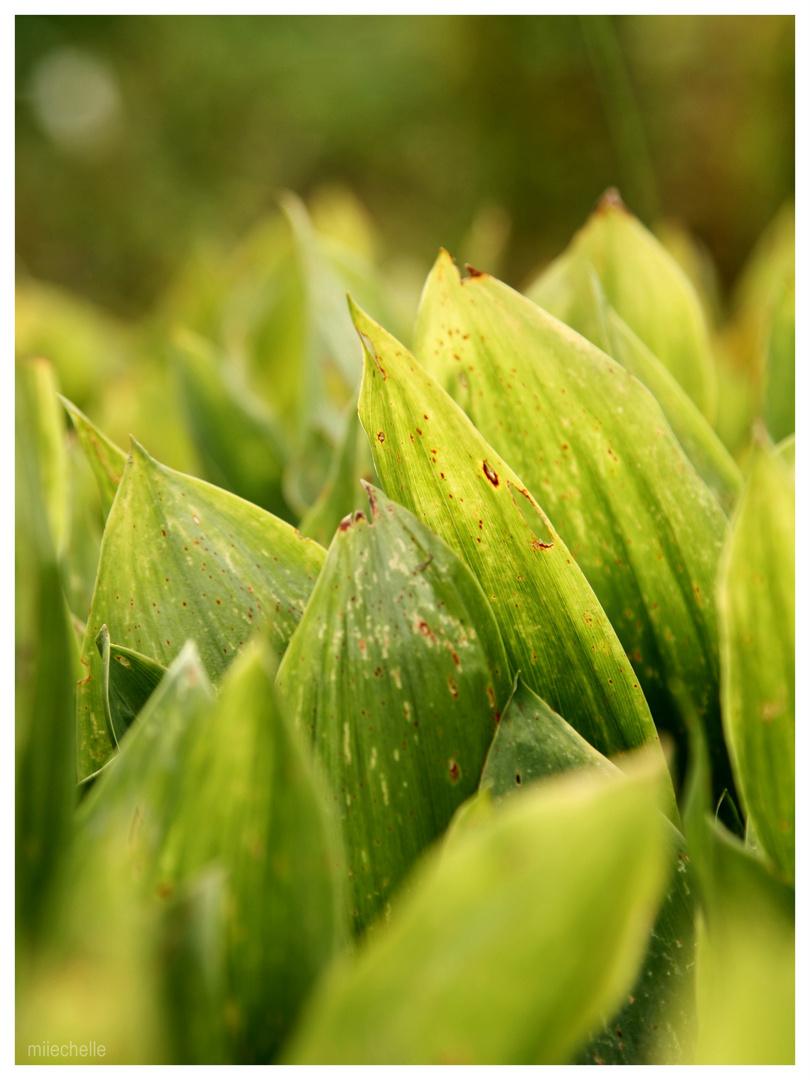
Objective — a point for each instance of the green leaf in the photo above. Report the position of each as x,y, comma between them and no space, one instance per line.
251,804
128,679
430,457
219,789
745,962
340,494
590,441
476,964
102,952
655,1024
779,409
532,741
398,671
700,443
105,458
45,655
234,433
181,558
645,285
757,609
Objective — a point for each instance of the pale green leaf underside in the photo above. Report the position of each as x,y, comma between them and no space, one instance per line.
183,559
397,673
431,459
757,607
475,965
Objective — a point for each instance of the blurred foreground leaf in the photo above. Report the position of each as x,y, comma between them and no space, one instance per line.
181,558
779,405
249,804
745,964
398,671
45,654
757,608
655,1024
233,843
476,964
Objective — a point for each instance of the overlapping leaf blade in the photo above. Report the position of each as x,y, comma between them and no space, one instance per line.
644,284
398,671
756,602
655,1023
591,442
430,457
475,966
181,558
129,679
219,790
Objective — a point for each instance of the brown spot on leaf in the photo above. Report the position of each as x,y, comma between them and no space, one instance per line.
490,473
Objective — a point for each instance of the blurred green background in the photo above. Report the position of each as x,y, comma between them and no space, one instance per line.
492,136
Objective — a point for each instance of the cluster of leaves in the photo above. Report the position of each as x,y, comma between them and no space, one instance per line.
388,786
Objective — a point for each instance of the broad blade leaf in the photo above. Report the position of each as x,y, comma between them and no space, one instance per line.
655,1024
645,285
181,558
592,443
757,608
398,671
476,964
430,457
105,458
129,678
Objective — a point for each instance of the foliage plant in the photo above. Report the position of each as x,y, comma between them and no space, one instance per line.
380,705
